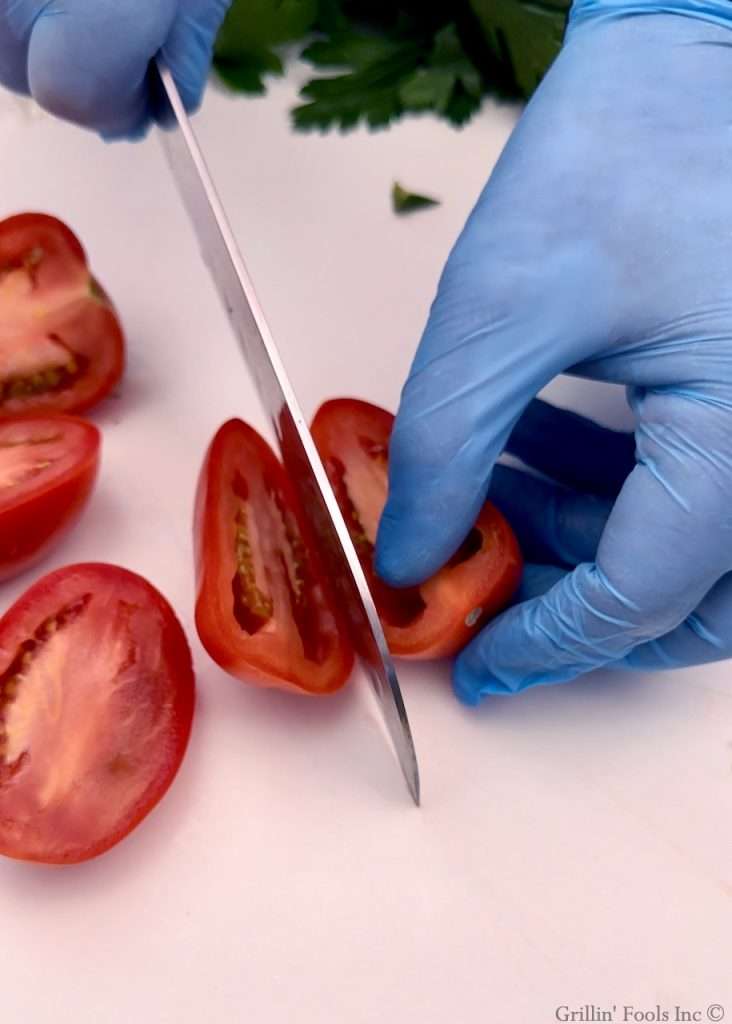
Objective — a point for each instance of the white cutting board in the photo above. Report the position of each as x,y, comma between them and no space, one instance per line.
575,844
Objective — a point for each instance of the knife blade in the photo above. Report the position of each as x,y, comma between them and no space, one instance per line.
299,455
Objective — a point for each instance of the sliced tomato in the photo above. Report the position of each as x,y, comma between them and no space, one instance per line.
48,465
61,344
263,610
96,702
439,617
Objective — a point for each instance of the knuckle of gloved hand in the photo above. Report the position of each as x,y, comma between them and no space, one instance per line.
694,427
685,442
609,616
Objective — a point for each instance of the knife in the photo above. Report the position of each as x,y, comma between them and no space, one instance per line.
299,455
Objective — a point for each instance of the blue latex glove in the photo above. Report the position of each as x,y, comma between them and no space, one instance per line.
602,246
87,60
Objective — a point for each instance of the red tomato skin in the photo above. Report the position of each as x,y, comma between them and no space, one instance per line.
261,664
33,524
458,600
21,619
23,230
89,315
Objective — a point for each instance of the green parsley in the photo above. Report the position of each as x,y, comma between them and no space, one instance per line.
375,60
404,201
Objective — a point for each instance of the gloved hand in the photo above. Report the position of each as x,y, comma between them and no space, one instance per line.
602,246
87,60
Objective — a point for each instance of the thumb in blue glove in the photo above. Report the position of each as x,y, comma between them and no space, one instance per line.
602,246
87,60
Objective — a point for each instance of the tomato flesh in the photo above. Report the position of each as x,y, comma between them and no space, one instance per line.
48,466
96,702
61,345
440,616
263,609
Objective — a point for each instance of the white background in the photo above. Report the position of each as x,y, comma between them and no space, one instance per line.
575,844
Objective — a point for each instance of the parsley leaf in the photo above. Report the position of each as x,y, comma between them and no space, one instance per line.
403,201
369,90
393,56
389,73
252,28
449,83
522,36
245,73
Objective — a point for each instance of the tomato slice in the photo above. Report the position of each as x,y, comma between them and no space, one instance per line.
48,465
96,702
263,611
439,617
61,344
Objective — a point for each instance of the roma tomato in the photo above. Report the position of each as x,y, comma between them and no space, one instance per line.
61,345
96,701
439,617
48,465
263,610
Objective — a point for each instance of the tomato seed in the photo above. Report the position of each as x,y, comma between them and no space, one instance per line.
27,651
52,379
252,608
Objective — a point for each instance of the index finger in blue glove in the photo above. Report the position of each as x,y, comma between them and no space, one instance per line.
497,333
664,548
87,60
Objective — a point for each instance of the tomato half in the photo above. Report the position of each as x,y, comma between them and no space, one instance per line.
48,465
439,617
263,610
96,702
61,345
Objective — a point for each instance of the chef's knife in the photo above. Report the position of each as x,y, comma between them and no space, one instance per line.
221,254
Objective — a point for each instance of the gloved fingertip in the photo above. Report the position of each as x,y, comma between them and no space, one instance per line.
391,567
471,690
405,555
387,567
465,691
136,134
389,555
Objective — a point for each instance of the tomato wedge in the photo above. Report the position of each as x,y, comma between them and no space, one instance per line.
263,610
61,345
439,617
96,702
48,465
